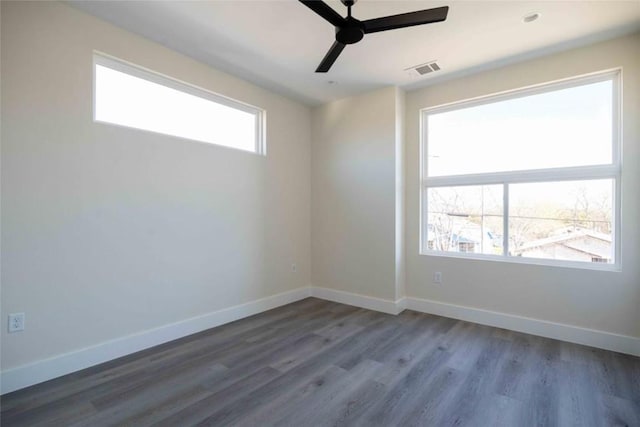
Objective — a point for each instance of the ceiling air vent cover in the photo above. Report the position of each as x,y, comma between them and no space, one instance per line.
427,68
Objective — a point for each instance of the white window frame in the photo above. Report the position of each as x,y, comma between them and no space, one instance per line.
572,173
126,67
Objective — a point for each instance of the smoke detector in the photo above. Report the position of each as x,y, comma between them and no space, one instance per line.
425,68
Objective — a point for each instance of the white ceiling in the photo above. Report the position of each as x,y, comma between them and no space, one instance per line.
277,44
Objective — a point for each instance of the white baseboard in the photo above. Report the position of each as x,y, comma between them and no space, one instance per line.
363,301
33,373
24,376
574,334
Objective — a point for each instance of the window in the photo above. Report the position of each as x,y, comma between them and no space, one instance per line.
133,97
532,175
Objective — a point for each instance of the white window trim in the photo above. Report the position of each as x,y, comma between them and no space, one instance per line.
100,58
605,171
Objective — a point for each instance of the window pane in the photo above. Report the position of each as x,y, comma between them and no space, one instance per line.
562,220
465,219
135,102
568,127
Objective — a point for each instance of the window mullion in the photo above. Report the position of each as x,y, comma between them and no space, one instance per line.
575,173
505,219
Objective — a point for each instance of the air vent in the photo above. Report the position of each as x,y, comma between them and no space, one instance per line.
426,68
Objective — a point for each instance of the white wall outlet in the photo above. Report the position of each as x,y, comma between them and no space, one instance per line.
437,277
16,322
294,267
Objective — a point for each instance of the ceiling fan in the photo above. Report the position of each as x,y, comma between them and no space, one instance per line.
350,30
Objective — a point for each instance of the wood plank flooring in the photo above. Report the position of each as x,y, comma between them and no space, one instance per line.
318,363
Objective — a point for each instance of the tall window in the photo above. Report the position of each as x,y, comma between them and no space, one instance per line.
532,175
134,97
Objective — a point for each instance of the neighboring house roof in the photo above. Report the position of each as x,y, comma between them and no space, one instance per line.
574,239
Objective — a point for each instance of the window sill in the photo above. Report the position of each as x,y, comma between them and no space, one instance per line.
615,268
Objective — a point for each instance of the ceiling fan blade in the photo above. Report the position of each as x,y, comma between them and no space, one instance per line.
403,20
330,57
325,11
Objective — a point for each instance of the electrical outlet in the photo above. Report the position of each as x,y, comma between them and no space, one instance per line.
437,277
16,322
294,267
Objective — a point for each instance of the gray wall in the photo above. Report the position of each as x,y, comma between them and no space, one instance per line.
108,231
606,301
353,190
353,219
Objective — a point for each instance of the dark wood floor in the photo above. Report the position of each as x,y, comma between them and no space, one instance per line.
316,363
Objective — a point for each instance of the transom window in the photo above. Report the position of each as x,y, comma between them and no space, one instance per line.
532,175
130,96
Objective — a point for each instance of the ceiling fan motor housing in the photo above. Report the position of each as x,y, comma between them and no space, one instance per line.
350,33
